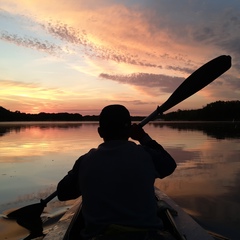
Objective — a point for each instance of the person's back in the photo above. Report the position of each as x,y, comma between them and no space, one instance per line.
116,180
117,183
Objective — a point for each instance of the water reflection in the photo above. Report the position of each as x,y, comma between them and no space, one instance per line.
218,130
16,127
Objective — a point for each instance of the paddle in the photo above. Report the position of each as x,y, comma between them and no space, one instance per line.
33,209
195,82
29,215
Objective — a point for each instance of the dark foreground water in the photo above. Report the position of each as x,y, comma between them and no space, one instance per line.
35,156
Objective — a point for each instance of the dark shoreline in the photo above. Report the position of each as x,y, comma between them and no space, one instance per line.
216,111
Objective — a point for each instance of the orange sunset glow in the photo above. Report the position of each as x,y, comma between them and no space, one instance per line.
78,56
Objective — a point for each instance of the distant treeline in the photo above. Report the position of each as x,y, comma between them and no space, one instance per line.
8,116
216,111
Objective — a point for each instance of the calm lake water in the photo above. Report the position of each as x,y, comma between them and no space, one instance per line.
206,184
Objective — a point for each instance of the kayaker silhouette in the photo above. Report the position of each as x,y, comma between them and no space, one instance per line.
116,180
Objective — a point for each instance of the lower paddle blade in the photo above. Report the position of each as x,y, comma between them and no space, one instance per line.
32,210
34,225
29,217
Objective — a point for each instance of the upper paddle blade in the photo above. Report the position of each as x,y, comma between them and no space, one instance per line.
197,80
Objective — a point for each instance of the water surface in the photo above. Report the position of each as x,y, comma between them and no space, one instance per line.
35,156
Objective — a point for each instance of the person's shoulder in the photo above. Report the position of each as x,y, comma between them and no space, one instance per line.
91,151
82,157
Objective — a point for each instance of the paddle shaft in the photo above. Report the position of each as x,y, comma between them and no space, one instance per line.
195,82
49,198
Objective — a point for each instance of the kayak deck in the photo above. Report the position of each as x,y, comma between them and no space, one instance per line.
58,231
189,229
185,223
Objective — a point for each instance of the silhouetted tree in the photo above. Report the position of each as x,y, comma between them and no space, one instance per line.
216,111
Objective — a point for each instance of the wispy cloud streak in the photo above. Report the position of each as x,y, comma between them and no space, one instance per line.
28,42
162,82
33,90
91,49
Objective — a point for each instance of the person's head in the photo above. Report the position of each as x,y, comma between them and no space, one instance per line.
114,123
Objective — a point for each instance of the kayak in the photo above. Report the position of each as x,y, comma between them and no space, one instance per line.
180,225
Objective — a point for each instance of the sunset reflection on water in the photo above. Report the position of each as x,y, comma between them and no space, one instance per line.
34,157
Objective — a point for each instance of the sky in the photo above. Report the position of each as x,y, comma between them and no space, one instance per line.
78,56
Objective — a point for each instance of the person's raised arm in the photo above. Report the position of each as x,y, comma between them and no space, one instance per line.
163,161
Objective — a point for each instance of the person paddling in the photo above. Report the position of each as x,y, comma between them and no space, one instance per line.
116,180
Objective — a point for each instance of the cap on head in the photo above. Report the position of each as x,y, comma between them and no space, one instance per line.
115,120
